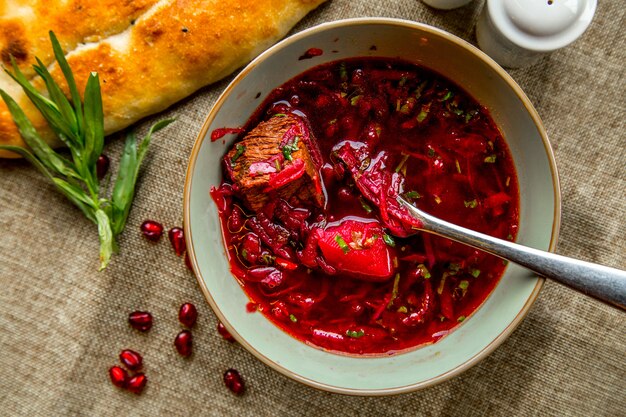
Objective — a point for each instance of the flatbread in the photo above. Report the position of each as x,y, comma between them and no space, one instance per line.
149,54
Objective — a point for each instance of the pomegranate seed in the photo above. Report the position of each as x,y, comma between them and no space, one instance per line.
119,376
234,382
102,165
131,359
140,320
251,307
183,343
177,239
188,315
222,330
152,230
137,383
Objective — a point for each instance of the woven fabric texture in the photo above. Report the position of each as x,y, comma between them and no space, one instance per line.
62,324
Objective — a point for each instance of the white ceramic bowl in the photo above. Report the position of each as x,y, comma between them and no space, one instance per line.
539,206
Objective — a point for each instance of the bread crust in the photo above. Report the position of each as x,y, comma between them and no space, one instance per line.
171,50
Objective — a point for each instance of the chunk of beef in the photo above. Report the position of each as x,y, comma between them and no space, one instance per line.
279,158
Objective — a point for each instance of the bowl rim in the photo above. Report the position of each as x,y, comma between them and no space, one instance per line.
193,158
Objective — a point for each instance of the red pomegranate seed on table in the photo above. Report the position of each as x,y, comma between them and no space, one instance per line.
182,342
234,382
188,315
152,230
119,376
177,239
102,165
137,383
131,359
222,331
140,320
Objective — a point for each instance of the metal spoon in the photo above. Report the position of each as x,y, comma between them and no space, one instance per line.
601,282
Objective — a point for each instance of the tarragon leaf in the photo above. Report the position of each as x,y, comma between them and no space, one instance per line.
49,158
105,234
143,147
26,154
66,122
69,78
124,188
77,196
94,121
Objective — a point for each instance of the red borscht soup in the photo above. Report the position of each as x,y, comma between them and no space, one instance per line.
309,214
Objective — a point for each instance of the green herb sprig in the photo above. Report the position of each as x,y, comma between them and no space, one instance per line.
80,126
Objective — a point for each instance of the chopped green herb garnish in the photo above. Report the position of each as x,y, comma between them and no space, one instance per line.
244,253
422,115
343,72
457,111
412,194
403,309
419,89
277,165
458,166
454,267
490,159
293,318
354,100
342,244
394,290
464,284
509,237
395,262
332,122
280,115
460,319
442,283
267,258
290,148
425,271
505,262
470,114
402,81
240,149
471,204
354,333
447,96
389,240
407,106
402,162
475,272
431,152
365,206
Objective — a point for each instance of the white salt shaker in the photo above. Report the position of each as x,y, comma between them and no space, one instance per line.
446,4
516,33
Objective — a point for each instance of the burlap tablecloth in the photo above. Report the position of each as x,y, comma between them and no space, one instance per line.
62,324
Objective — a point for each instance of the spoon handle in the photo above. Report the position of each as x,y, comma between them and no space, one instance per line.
601,282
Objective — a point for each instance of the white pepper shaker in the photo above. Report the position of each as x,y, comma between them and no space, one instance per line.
446,4
516,33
